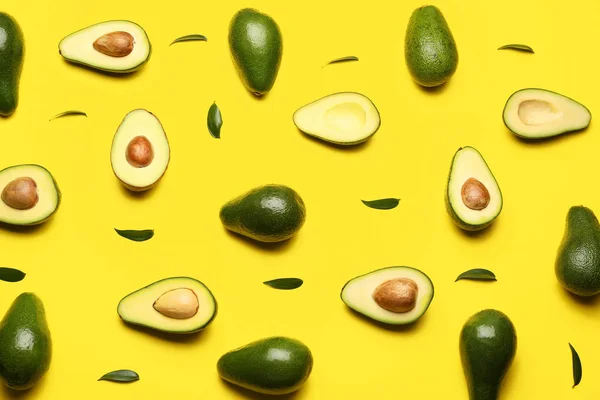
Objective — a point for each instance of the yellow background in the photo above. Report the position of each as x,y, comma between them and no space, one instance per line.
81,268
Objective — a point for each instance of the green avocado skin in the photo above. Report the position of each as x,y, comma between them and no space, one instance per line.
275,365
577,264
429,49
269,213
12,51
25,343
256,47
488,343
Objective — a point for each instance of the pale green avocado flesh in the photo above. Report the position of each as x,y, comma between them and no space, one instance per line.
45,195
473,198
78,47
173,305
345,118
540,113
360,294
140,126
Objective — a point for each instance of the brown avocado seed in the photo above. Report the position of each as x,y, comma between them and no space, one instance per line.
397,295
139,152
21,193
475,195
115,44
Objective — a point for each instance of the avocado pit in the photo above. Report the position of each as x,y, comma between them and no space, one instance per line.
179,303
475,195
21,193
115,44
397,295
139,152
537,112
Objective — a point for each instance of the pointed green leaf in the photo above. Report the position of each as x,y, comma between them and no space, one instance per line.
214,121
477,274
11,275
577,370
285,283
121,375
343,59
518,47
67,113
190,38
136,235
382,204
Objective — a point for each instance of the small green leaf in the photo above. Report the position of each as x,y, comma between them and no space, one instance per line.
11,275
121,375
518,47
136,235
214,121
285,283
190,38
69,112
382,204
477,274
577,370
343,59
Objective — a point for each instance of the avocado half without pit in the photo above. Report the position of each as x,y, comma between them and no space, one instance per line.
473,198
140,151
29,195
540,113
392,295
173,305
112,46
345,118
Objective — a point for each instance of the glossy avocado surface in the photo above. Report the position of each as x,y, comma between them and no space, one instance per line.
25,343
12,52
275,365
269,213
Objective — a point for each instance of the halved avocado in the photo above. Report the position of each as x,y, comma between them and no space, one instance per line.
392,295
540,113
140,151
344,118
114,46
30,195
473,198
174,305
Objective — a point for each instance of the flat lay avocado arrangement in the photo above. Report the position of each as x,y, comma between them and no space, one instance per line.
268,217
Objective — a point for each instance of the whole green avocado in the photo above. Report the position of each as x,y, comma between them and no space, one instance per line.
256,47
488,343
269,213
429,47
577,264
275,365
12,51
25,343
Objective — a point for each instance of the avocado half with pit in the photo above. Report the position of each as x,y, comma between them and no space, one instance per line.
112,46
392,295
345,118
540,113
173,305
30,195
473,198
140,151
